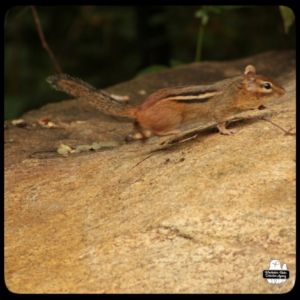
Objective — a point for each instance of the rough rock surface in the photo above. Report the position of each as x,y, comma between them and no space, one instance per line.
206,215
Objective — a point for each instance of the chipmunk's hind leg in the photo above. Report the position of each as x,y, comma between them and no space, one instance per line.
141,133
166,132
166,125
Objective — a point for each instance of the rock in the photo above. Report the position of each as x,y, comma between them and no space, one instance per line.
202,216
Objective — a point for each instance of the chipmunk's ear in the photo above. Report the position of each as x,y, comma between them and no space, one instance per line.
249,69
250,75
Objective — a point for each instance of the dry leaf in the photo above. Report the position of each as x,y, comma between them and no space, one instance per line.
43,121
64,149
19,123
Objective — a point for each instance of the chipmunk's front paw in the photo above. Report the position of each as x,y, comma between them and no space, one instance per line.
225,131
228,132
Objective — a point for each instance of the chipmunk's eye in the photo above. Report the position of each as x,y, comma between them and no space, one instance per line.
267,86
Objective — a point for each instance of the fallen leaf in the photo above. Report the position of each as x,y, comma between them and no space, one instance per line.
64,149
43,121
19,123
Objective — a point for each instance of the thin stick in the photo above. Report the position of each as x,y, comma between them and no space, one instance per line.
286,132
142,161
164,148
187,139
44,43
170,141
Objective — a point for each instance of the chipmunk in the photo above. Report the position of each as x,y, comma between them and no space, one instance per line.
167,108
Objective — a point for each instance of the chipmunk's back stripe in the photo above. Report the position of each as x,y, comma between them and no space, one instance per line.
193,93
203,100
193,97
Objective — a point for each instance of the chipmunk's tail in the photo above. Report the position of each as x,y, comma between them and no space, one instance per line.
100,99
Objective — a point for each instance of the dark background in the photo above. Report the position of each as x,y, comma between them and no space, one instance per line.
105,45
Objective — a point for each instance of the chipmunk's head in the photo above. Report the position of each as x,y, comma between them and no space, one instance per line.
257,90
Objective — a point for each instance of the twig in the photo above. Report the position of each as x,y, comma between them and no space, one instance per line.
142,161
187,139
164,148
44,43
170,142
214,125
175,140
167,144
286,132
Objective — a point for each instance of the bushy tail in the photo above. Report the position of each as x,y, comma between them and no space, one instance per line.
104,102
